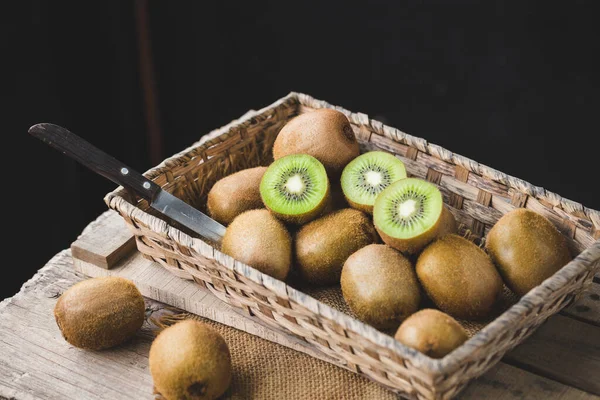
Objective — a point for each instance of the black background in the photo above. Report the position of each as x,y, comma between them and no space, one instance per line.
513,85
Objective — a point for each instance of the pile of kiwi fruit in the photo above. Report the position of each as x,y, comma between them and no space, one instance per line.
325,213
331,216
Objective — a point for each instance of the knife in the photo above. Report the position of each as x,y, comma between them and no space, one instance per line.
98,161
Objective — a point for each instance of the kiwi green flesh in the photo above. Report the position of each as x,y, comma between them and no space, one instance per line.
431,332
527,249
294,186
190,360
88,318
368,175
380,286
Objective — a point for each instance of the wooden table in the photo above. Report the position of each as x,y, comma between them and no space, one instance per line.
560,361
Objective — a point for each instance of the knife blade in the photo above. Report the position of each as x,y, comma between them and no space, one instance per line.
98,161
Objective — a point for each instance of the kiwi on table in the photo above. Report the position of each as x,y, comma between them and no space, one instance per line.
190,360
322,246
367,175
260,240
407,214
100,313
295,188
380,286
234,194
527,249
431,332
459,277
324,134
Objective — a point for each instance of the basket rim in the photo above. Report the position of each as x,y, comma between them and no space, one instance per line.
584,261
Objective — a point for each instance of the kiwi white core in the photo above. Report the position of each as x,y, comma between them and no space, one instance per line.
295,184
407,208
373,178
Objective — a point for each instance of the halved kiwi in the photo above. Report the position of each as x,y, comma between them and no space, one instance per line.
295,188
407,214
368,175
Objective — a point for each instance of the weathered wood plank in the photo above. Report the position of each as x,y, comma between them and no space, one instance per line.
587,308
564,349
105,241
505,382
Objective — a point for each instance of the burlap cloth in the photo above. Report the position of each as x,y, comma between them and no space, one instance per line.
266,370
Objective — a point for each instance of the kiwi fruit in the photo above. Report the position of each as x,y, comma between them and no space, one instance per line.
527,249
100,313
447,224
260,240
295,188
234,194
367,175
407,214
380,286
324,134
459,277
190,360
431,332
322,246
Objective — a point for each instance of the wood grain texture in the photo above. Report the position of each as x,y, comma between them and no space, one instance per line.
105,242
564,349
36,362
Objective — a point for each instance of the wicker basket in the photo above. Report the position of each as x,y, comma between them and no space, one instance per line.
477,195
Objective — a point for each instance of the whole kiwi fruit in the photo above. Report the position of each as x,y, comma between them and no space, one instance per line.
431,332
527,249
100,313
323,245
260,240
459,277
447,223
234,194
190,360
325,134
380,286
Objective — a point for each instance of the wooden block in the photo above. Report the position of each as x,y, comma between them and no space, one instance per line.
105,242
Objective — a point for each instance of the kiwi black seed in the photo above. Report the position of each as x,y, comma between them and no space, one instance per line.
100,313
379,284
459,277
234,194
260,240
407,214
190,360
431,332
368,175
295,188
322,246
325,134
527,249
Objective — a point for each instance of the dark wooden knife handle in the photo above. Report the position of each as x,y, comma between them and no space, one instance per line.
95,159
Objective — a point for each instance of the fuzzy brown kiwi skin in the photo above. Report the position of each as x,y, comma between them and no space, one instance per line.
300,219
322,246
100,313
459,277
447,223
380,286
234,194
190,360
260,240
527,249
325,134
431,332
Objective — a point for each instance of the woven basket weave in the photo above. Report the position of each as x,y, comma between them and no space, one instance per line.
477,195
